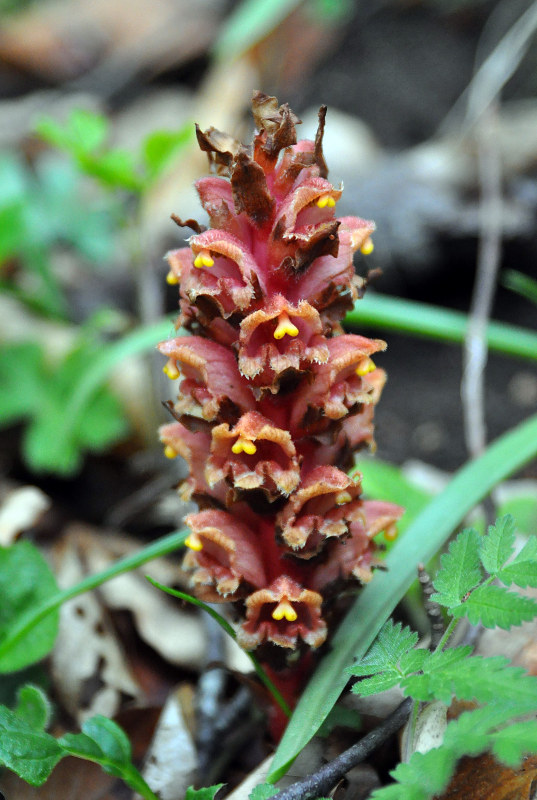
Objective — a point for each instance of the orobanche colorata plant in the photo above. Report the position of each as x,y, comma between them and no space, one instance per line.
274,398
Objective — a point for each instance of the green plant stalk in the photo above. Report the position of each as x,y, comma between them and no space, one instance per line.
167,544
224,624
423,538
133,779
420,319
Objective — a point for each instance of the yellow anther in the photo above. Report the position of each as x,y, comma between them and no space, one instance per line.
391,533
244,445
172,279
203,259
170,369
325,200
285,327
284,609
367,246
169,452
342,498
194,542
365,366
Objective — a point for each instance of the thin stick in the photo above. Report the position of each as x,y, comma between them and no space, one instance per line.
320,783
488,259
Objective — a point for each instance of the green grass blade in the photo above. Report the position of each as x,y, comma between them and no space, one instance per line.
378,599
420,319
250,22
224,624
521,284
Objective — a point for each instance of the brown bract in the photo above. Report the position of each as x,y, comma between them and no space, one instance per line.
223,556
323,507
211,386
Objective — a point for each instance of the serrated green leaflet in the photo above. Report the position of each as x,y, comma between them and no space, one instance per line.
378,599
510,744
207,793
495,606
263,792
523,569
460,570
427,774
390,645
498,545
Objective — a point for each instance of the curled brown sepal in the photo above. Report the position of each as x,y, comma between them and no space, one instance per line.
223,555
283,613
211,385
250,192
280,336
323,507
221,148
254,454
356,556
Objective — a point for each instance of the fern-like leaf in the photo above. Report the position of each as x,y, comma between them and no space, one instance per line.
523,569
460,570
497,546
494,606
510,744
392,642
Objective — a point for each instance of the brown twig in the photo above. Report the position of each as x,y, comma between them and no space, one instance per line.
322,781
432,609
488,259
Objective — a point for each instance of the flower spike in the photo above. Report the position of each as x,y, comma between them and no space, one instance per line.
273,397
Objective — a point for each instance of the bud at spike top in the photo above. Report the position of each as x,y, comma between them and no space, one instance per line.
274,398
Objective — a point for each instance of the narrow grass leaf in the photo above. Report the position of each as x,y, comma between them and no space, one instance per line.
433,322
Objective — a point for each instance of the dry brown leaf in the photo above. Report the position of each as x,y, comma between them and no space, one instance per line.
89,667
170,765
483,778
20,509
173,632
72,779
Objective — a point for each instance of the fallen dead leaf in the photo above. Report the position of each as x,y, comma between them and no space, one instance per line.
171,761
484,778
72,779
89,668
20,509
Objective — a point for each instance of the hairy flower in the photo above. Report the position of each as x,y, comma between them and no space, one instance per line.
274,398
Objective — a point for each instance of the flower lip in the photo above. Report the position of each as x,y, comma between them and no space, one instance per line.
282,613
